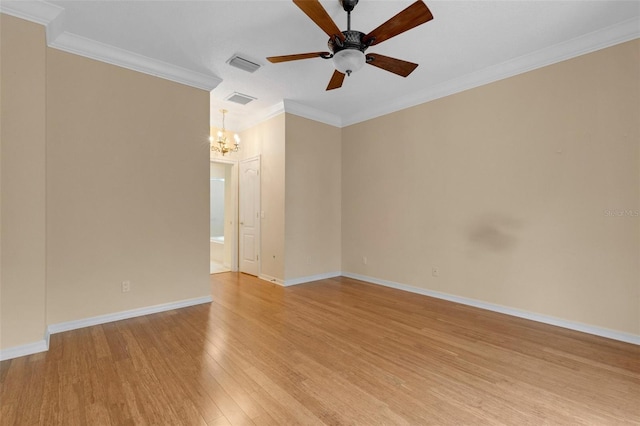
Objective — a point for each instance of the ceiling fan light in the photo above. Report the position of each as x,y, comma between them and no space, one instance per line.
349,60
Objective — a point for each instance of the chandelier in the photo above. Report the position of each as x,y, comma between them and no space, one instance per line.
220,145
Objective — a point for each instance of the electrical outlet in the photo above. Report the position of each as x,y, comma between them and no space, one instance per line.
435,272
126,286
364,260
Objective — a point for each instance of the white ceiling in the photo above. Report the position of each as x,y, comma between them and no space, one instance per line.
468,43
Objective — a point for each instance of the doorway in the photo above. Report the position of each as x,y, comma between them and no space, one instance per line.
222,216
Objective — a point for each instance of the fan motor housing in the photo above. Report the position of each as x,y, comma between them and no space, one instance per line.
352,40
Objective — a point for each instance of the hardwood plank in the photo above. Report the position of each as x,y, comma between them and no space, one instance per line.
336,351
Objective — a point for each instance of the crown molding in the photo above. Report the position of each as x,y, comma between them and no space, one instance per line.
82,46
294,108
52,17
39,12
261,116
606,37
597,40
311,113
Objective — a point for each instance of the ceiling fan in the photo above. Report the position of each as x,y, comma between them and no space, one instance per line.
348,47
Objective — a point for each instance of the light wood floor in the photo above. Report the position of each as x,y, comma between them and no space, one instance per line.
336,351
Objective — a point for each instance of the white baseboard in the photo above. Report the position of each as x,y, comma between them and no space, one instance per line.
271,279
308,279
300,280
23,350
117,316
43,345
598,331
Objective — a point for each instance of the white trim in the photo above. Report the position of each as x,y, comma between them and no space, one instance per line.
43,345
312,113
310,278
39,12
52,17
571,325
587,43
271,279
294,108
603,38
223,160
117,316
24,350
268,113
262,116
82,46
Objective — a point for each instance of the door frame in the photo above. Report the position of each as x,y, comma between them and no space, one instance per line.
259,221
234,209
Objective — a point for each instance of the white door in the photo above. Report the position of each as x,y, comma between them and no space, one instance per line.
250,216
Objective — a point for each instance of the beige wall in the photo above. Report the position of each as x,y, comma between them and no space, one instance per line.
512,190
312,198
22,197
267,140
300,231
127,189
118,192
505,188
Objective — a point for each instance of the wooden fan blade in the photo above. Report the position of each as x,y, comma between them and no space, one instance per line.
396,66
336,80
416,14
286,58
314,10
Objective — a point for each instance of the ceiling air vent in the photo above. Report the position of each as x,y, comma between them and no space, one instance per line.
239,98
243,64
